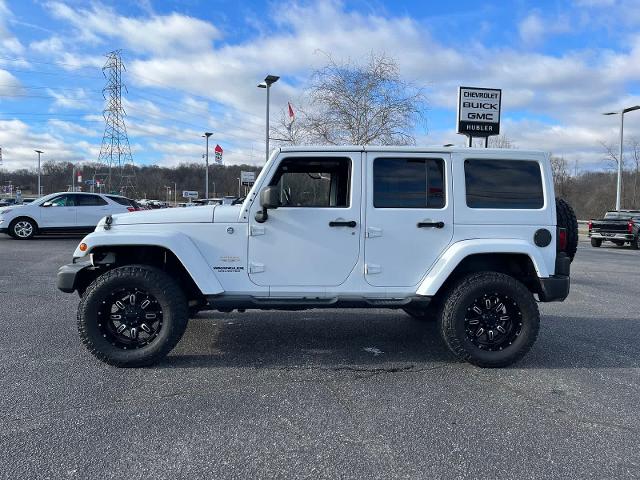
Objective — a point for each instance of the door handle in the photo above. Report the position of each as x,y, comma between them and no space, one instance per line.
342,223
430,224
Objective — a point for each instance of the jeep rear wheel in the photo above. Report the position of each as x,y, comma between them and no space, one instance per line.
132,316
596,242
489,319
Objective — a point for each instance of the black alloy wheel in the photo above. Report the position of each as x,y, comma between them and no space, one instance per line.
493,321
130,318
489,319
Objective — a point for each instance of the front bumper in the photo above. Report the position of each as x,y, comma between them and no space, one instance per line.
627,237
67,279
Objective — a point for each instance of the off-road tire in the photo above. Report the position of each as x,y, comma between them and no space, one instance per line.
168,294
596,242
619,243
455,307
18,222
567,219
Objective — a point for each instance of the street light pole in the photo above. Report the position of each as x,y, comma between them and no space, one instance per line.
619,183
39,152
268,81
206,173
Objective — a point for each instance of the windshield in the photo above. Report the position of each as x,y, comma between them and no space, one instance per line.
41,200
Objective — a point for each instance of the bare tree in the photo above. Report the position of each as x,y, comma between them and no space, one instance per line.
350,103
634,146
561,176
611,155
501,141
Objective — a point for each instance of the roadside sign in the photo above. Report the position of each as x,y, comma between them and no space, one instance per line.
218,152
247,178
191,194
90,182
479,111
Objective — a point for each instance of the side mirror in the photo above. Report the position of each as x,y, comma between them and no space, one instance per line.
269,199
46,204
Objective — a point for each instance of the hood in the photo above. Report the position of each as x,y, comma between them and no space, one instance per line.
227,213
200,214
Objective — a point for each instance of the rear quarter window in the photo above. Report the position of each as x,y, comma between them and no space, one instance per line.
503,184
121,200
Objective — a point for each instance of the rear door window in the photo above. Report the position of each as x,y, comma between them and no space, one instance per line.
408,183
503,184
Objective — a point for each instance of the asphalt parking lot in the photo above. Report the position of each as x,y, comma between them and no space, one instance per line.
349,394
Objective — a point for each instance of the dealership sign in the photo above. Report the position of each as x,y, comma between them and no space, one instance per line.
247,178
479,111
190,194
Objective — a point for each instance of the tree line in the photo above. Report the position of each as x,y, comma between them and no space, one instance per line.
144,181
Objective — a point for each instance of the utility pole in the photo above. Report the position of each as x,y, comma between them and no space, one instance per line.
39,152
619,183
268,81
206,172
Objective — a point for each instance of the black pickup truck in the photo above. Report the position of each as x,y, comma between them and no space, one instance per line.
619,227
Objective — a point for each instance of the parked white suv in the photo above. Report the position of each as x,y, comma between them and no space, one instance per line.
469,237
61,212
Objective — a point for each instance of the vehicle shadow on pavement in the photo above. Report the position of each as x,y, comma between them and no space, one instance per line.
314,339
390,340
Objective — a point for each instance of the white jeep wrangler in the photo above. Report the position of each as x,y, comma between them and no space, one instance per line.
470,237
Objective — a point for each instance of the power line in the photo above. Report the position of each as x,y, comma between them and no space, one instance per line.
42,72
115,150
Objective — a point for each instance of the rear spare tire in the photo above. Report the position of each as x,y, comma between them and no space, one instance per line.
567,220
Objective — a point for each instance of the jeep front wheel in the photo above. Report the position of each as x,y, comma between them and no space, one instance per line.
132,316
489,319
596,242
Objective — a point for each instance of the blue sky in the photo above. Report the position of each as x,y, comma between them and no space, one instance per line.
194,65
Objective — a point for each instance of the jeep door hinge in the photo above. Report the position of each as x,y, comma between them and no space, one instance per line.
256,267
372,268
256,230
373,232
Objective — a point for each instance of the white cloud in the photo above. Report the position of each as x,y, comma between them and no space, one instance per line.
9,85
158,34
8,42
73,99
534,28
58,126
181,53
18,142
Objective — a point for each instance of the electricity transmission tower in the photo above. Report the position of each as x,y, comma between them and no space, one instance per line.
115,151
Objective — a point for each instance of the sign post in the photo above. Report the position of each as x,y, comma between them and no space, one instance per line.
190,194
247,178
479,112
